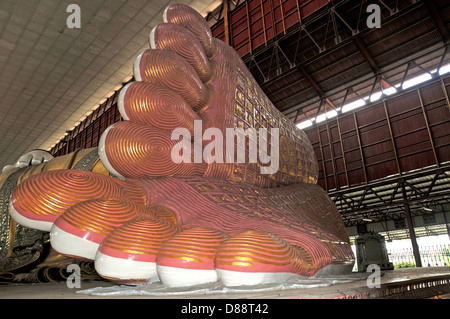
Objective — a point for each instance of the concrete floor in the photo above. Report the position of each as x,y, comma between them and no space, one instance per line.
111,290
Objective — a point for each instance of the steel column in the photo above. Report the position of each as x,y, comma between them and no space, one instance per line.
282,17
263,22
273,18
446,224
410,223
299,13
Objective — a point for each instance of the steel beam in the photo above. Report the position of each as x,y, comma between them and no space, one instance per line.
437,20
342,151
333,161
323,160
360,148
424,192
291,108
366,55
311,81
430,136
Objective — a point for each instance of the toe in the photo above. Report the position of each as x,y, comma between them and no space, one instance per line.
178,39
254,258
155,105
80,229
168,69
189,18
40,199
187,259
134,150
128,254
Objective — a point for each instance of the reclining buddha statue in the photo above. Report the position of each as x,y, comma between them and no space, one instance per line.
165,198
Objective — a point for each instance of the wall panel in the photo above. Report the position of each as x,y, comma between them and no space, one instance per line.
405,132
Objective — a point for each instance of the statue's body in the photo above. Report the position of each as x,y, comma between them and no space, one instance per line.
189,223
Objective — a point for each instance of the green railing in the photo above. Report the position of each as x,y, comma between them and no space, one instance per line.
431,256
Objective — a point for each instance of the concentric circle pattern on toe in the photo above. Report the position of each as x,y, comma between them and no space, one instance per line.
254,251
187,259
139,240
155,105
129,252
254,258
40,199
89,222
137,151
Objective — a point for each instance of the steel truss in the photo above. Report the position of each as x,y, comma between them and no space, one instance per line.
338,25
385,199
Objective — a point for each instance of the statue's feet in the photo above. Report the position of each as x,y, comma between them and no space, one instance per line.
192,82
217,222
186,231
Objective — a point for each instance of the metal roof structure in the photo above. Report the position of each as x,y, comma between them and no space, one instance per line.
383,144
332,57
382,141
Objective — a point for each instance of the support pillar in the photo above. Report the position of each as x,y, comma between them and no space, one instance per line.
412,234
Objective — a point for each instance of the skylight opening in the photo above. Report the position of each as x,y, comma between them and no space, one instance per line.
416,80
444,69
353,105
329,115
374,97
321,118
304,124
389,91
333,113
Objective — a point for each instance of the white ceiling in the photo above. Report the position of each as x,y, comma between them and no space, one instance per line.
51,76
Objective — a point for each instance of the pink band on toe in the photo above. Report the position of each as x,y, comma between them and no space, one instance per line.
254,251
93,220
193,248
138,240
